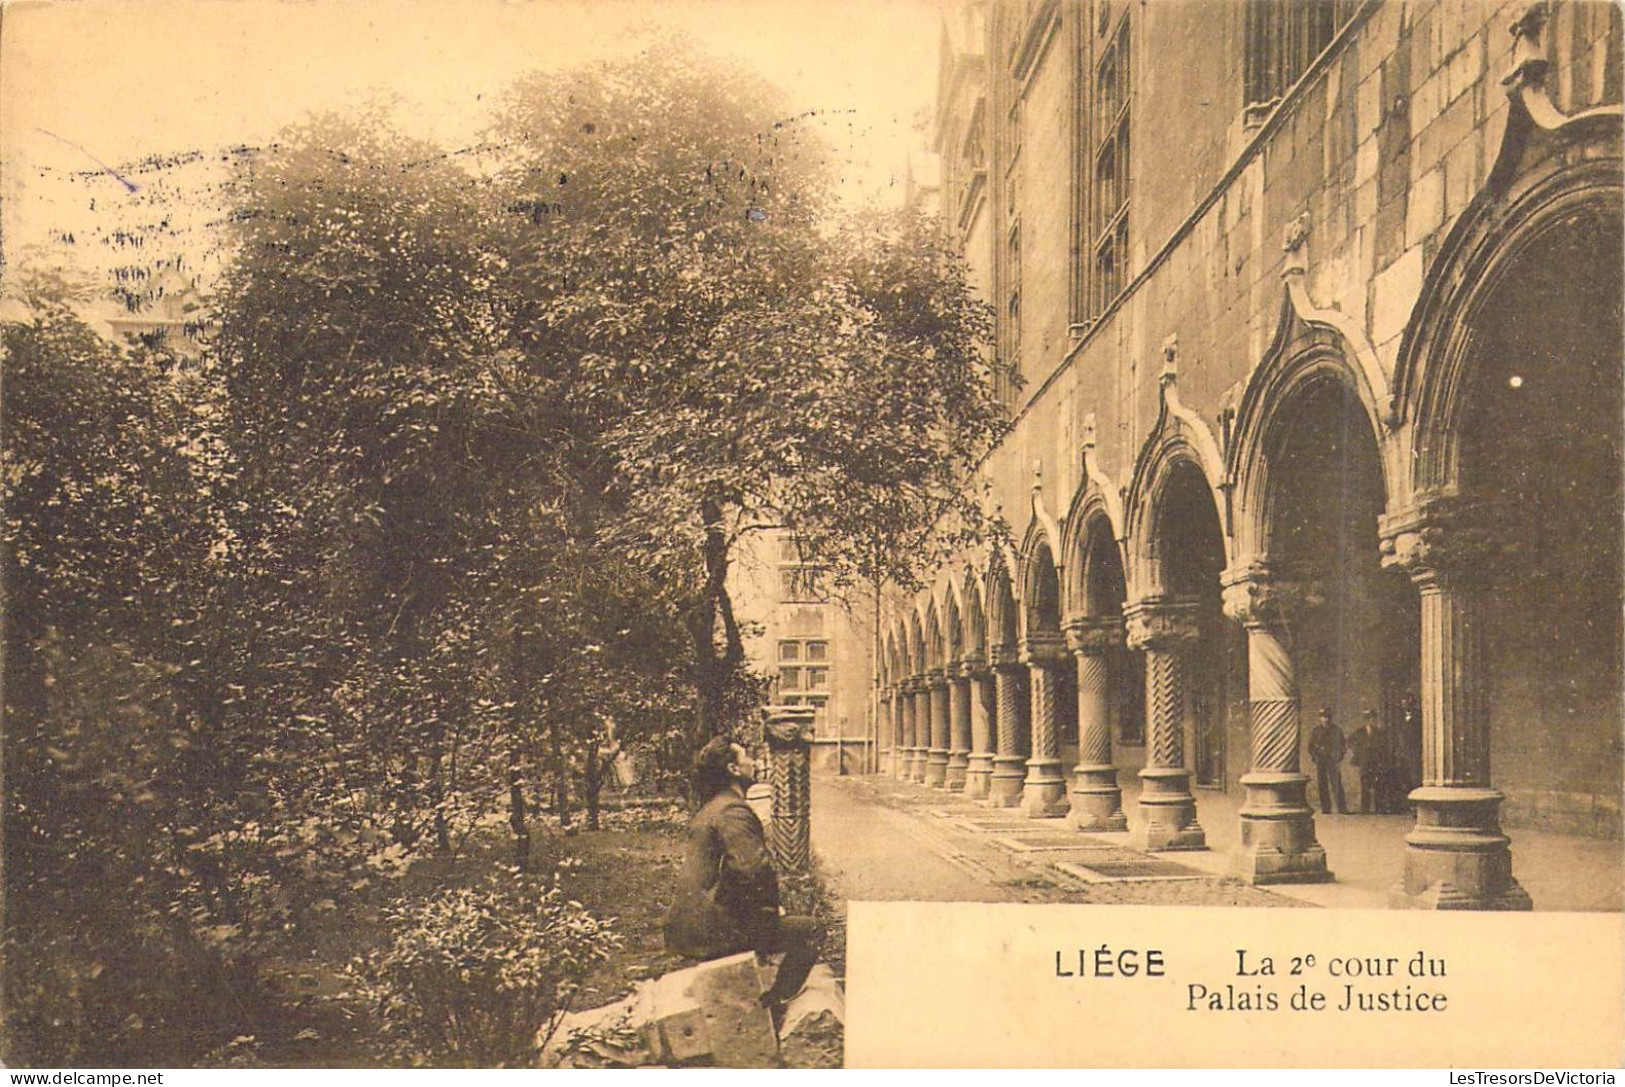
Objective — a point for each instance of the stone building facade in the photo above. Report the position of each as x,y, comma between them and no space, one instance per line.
815,652
1317,312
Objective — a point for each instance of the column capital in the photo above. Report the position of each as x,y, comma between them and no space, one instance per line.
935,677
1092,634
788,726
969,667
1162,622
1439,538
1042,648
1255,596
1003,657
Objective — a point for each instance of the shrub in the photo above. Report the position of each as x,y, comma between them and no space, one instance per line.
479,977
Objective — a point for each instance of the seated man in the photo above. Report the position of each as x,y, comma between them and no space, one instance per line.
727,891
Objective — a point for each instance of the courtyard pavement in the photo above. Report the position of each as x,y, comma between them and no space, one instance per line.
883,839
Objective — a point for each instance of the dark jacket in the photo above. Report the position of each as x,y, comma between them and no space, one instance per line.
727,892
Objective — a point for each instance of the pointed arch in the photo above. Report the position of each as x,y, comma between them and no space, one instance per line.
1550,170
1305,355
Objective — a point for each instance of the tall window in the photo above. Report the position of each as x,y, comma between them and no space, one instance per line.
1113,83
1283,39
804,676
798,580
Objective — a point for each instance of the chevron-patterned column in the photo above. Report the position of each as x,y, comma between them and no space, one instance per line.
1456,857
1043,792
789,732
1278,843
1097,802
1162,628
936,763
983,712
958,726
1010,721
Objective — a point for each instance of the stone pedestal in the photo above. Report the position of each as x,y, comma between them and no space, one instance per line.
1010,719
979,764
1456,857
1278,843
1097,801
959,727
936,761
1161,628
789,733
1043,793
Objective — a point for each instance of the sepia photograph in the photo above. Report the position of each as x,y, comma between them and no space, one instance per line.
753,534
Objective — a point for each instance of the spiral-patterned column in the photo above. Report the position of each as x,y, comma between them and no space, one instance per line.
958,727
1043,793
1097,801
1161,628
1456,856
983,712
936,763
1009,769
1278,843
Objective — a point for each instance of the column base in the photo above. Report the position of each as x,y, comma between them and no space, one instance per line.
1097,802
916,764
936,767
979,775
1278,843
1004,784
958,769
1169,811
1456,857
1043,793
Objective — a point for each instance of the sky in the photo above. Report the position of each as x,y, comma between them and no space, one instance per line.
90,88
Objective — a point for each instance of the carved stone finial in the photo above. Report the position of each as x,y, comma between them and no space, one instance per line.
1529,63
1295,244
1089,425
1170,358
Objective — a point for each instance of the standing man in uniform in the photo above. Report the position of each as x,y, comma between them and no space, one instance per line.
1367,759
1326,748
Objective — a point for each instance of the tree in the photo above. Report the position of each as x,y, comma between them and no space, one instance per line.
738,360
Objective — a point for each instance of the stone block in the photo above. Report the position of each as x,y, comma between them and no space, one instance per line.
707,1014
1424,210
1394,294
814,1028
710,1012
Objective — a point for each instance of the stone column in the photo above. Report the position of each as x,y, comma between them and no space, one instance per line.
922,727
907,710
1043,795
1097,802
1162,627
982,710
936,764
894,731
1010,719
789,732
1456,857
958,725
1278,843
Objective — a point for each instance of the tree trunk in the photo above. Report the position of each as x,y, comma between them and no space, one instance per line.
592,782
561,776
516,809
713,667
